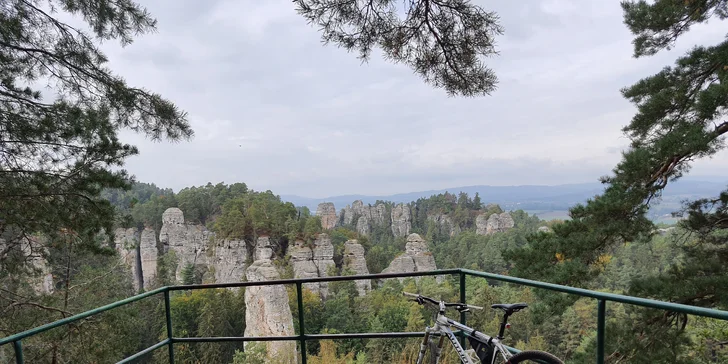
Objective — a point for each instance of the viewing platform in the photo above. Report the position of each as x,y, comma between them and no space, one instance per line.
302,337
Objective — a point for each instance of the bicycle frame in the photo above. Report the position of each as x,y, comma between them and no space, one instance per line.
442,326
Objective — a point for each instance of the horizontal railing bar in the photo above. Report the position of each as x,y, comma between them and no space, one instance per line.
233,338
644,302
317,279
370,335
694,310
80,316
145,351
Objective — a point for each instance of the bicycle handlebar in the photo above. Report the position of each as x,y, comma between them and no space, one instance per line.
422,299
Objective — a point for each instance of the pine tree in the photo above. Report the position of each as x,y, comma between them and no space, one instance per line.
442,41
680,119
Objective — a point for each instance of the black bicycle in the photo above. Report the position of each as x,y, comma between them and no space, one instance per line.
485,349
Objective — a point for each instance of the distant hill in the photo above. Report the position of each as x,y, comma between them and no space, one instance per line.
546,201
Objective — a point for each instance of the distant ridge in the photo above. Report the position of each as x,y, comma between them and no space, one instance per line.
534,197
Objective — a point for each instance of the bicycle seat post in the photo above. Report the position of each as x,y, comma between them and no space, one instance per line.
502,331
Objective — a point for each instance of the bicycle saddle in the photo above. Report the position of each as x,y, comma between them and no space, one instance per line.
510,308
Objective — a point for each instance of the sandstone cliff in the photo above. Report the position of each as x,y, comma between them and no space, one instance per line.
302,264
355,261
366,216
35,253
148,257
417,258
444,224
327,212
188,242
194,244
495,223
313,262
323,258
401,220
267,312
126,242
229,260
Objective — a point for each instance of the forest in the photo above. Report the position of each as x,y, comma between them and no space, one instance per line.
235,210
63,191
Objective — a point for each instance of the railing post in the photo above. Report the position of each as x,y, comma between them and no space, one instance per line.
601,313
168,313
301,331
463,342
18,346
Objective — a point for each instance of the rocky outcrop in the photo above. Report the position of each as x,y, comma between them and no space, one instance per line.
35,253
327,212
481,224
263,249
354,260
223,259
303,265
544,229
126,242
267,311
401,220
323,258
229,260
362,225
313,262
495,223
148,257
188,242
378,214
416,258
364,216
444,224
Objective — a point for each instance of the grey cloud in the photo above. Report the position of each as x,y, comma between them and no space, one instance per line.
274,108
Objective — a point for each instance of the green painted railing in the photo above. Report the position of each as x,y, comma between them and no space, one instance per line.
302,337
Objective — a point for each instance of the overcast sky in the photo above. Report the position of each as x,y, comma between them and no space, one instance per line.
272,107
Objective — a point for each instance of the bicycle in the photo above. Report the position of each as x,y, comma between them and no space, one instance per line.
485,349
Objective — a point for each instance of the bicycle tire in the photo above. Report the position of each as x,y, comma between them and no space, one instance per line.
534,356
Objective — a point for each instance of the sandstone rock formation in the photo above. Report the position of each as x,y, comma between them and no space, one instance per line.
228,260
194,244
126,242
303,265
417,258
263,249
327,212
496,223
354,260
148,257
445,224
35,253
544,229
401,220
366,215
267,312
188,242
313,262
362,225
323,258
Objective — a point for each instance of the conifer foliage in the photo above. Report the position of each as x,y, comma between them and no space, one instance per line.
443,41
680,118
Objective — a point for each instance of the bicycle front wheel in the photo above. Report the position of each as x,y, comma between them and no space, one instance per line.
534,356
432,354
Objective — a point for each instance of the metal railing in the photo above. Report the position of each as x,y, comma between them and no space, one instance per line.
302,337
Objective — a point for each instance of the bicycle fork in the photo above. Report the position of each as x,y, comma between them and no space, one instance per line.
436,350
